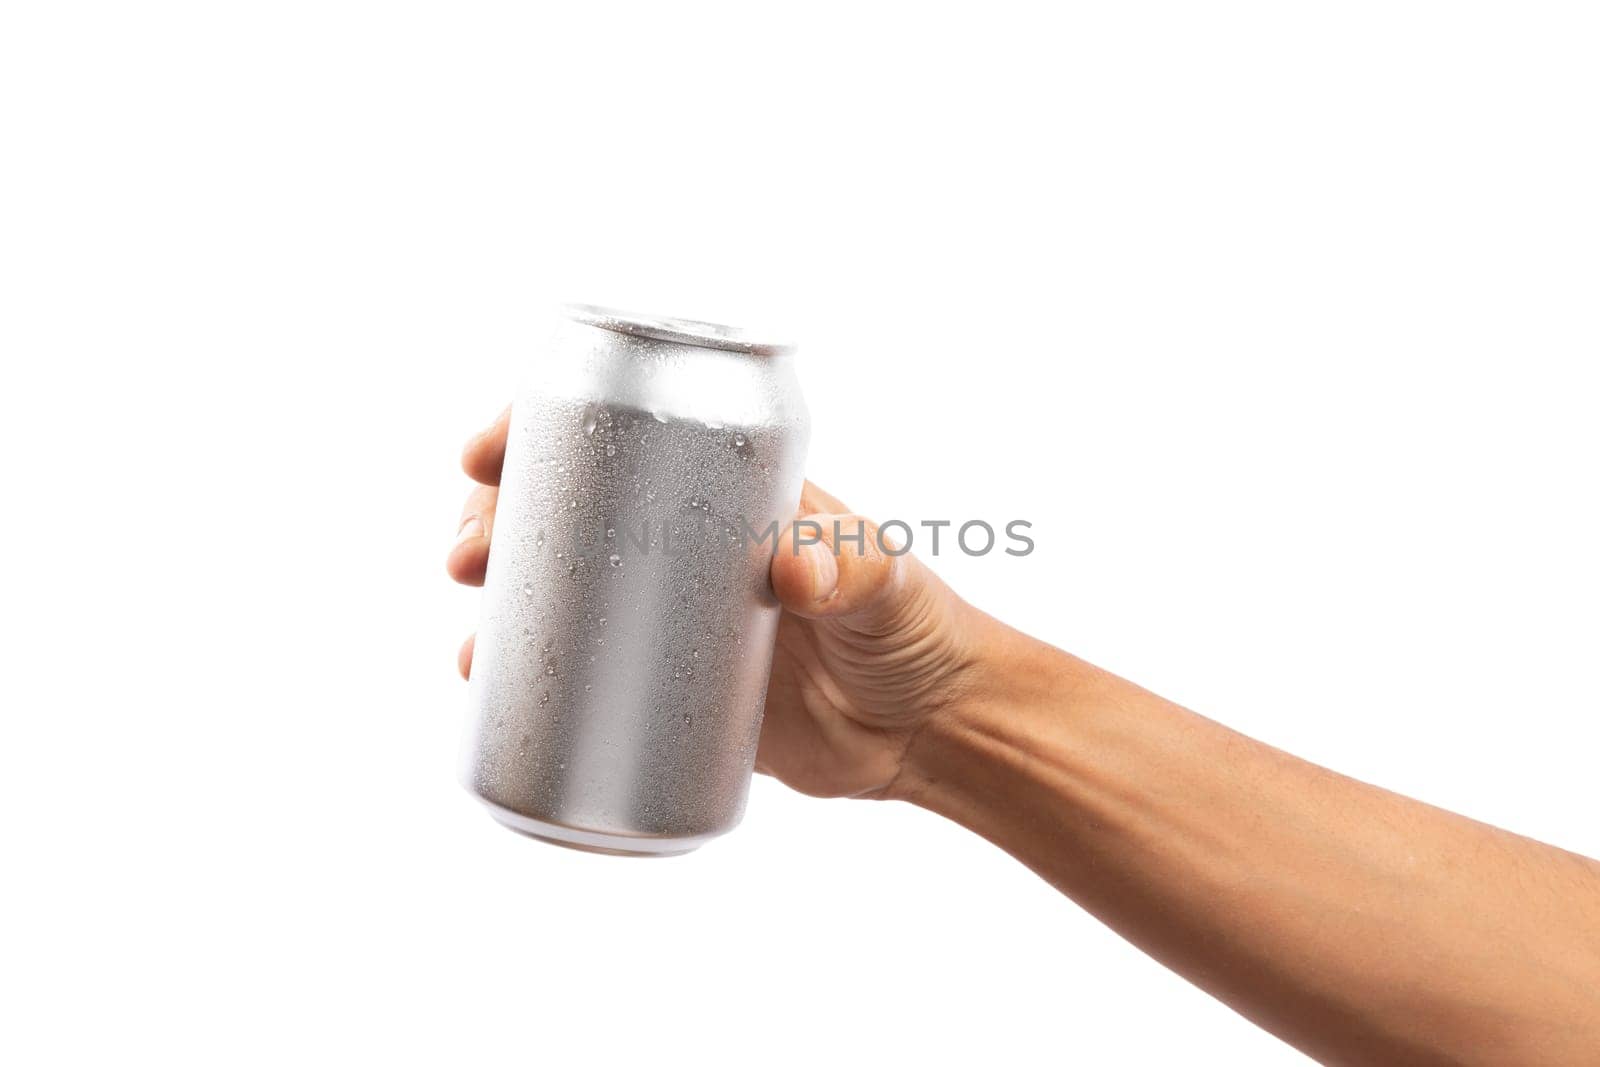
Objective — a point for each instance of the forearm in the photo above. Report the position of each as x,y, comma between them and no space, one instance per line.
1357,924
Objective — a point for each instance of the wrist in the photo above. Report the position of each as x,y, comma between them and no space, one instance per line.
1012,687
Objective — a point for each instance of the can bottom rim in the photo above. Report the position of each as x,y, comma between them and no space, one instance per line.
594,840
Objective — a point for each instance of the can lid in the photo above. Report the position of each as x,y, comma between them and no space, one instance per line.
679,331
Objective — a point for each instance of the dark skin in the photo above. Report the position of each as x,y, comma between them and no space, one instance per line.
1359,925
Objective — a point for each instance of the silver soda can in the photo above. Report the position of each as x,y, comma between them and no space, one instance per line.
627,623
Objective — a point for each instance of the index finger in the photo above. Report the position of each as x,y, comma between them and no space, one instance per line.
485,453
814,498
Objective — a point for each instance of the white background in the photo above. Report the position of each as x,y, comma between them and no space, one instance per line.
1278,321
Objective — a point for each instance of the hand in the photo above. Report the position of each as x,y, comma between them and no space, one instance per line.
871,647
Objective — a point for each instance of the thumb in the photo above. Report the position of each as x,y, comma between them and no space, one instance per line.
840,566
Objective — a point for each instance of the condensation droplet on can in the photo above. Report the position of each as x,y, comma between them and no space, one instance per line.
712,447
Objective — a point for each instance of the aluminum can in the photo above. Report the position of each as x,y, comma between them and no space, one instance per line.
628,622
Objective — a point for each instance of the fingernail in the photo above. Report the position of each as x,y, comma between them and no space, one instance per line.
471,527
824,570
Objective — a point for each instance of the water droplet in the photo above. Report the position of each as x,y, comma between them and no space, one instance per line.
589,421
658,416
695,653
544,698
740,440
602,620
611,450
527,590
616,560
687,718
611,531
550,669
587,688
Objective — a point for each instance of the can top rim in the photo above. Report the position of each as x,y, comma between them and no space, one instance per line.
679,331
